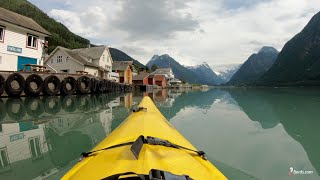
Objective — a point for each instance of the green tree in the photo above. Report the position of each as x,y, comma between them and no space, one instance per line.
147,69
154,67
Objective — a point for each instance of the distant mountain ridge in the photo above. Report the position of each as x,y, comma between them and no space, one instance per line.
253,68
207,75
118,55
226,75
194,76
299,61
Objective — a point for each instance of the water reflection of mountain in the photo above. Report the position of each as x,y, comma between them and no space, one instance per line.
197,99
256,104
296,109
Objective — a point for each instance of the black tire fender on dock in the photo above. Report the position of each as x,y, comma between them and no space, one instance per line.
94,85
56,108
87,82
16,115
73,84
2,84
57,85
29,102
20,80
29,90
69,107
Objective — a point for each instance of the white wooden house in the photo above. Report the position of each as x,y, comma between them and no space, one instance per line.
96,61
21,41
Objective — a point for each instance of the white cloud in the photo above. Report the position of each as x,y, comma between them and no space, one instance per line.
219,32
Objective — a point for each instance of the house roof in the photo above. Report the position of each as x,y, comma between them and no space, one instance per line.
162,71
92,52
121,65
22,21
79,56
140,77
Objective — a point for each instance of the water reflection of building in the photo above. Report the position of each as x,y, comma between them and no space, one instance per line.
23,145
22,141
42,146
126,100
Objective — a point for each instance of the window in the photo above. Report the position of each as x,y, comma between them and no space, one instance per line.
59,59
104,58
32,41
0,59
51,61
1,34
4,160
65,71
67,58
60,123
34,144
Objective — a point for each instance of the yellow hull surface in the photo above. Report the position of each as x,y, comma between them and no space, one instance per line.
147,122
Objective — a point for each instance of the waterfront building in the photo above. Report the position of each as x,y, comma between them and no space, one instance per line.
141,79
167,72
115,76
169,76
160,80
96,61
124,68
22,41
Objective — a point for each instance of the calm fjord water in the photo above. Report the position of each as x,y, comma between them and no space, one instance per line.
246,133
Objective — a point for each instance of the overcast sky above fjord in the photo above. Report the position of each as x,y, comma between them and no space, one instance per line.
191,31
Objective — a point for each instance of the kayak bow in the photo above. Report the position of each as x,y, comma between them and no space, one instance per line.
144,146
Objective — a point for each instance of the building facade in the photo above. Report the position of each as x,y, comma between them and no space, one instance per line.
115,77
124,68
140,79
96,61
160,80
22,41
167,72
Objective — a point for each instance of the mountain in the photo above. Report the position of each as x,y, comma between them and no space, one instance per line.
118,55
299,61
226,75
61,36
203,70
254,67
180,72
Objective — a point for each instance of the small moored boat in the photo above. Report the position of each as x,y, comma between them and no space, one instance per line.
145,146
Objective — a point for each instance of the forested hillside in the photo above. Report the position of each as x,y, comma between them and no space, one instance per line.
60,34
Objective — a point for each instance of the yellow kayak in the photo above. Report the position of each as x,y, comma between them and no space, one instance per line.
144,146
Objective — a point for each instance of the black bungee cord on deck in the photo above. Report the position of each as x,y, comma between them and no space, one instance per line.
136,146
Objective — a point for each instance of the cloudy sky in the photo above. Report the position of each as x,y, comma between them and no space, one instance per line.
191,31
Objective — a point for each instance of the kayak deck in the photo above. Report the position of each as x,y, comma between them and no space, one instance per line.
149,122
